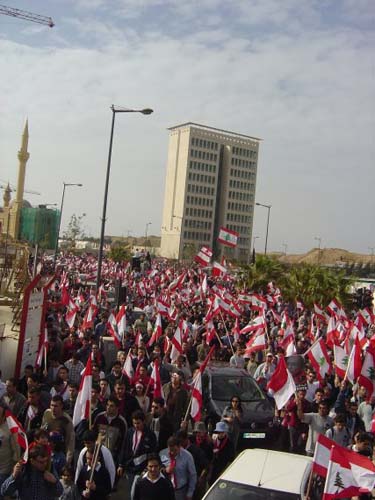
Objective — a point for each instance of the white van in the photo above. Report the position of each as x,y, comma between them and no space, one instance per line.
263,475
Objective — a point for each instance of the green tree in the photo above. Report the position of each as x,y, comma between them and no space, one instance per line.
119,253
257,276
75,230
339,482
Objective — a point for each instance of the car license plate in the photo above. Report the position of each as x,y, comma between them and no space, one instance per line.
254,435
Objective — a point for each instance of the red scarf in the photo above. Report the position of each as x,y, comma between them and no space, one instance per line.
172,473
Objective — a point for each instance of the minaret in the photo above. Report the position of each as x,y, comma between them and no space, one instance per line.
6,196
23,156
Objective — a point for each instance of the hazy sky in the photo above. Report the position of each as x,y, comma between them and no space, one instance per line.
298,73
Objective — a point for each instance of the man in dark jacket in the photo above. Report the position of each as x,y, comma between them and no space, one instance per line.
153,485
139,442
160,423
99,486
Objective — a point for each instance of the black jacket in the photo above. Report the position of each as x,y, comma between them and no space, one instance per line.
135,462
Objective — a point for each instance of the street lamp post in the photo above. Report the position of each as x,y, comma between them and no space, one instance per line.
146,111
65,185
268,222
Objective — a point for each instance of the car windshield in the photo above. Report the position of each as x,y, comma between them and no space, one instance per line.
224,387
226,489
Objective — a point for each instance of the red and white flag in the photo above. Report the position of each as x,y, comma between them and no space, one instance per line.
127,368
177,282
321,455
258,303
162,307
155,381
112,329
218,270
319,359
348,475
43,347
355,362
121,322
281,385
203,257
196,393
341,360
177,342
157,333
16,428
257,342
228,237
367,315
82,406
255,324
367,375
319,313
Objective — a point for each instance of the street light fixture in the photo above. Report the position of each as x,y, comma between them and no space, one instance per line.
268,222
145,111
65,185
146,230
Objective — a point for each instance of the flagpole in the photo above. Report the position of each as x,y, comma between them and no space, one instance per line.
230,343
307,496
90,416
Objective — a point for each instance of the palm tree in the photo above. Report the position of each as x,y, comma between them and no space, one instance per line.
257,276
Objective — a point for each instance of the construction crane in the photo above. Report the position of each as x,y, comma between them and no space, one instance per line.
12,189
24,14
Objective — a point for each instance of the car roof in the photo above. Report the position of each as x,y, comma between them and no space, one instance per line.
268,469
226,370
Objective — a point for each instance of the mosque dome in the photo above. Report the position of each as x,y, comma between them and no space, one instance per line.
25,204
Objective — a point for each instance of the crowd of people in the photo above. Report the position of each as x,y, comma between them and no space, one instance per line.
149,443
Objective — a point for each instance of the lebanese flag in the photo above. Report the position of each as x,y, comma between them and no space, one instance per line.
258,303
177,342
228,237
255,324
155,381
319,313
355,362
112,328
236,330
367,315
203,257
290,348
348,475
157,333
234,310
341,360
218,270
70,317
88,321
321,455
319,359
141,289
127,368
172,313
42,348
16,428
121,321
336,309
332,335
281,385
82,405
257,342
196,393
367,375
245,299
162,307
211,332
177,282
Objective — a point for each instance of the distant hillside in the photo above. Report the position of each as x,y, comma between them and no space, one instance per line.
326,256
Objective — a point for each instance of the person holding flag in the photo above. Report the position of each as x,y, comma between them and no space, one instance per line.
9,450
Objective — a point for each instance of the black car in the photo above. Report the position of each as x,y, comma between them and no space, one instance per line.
220,384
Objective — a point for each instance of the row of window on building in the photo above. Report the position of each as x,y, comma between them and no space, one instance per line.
198,224
238,195
239,207
203,155
249,153
243,163
193,188
238,229
202,143
192,235
198,212
203,167
243,174
244,219
240,184
197,200
208,179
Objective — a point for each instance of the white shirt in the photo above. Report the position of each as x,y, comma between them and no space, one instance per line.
108,462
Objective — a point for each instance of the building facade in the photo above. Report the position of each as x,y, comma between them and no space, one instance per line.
210,183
